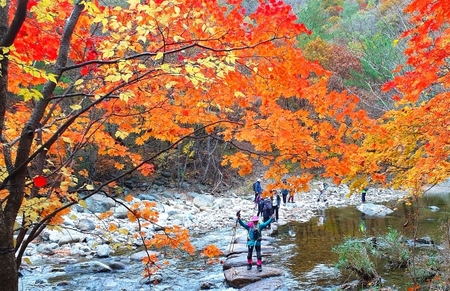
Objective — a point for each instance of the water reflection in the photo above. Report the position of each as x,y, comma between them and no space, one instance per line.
309,257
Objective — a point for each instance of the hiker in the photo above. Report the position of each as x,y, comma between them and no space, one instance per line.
276,201
260,206
291,197
284,192
267,211
322,192
257,189
363,195
254,238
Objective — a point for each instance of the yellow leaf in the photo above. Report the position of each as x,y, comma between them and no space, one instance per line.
26,260
123,231
89,187
78,82
239,94
159,55
133,3
75,107
178,38
52,77
121,134
82,203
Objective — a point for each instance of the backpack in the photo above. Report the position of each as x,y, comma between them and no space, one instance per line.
254,234
267,208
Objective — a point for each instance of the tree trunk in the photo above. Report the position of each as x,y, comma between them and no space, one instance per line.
8,271
14,183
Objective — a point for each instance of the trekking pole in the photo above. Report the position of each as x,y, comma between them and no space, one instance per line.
231,246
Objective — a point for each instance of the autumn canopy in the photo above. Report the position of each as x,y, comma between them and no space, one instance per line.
82,82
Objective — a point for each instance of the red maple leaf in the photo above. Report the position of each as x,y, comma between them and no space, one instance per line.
40,181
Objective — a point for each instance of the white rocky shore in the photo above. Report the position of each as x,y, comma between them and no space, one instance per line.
84,235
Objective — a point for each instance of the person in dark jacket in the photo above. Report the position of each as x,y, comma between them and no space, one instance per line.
284,192
267,211
257,189
260,207
253,239
363,195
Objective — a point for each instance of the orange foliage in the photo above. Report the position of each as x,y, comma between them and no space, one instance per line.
409,147
159,72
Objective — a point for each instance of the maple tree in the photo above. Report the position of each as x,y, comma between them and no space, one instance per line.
78,75
409,148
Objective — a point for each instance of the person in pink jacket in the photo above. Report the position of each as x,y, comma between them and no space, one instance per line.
254,238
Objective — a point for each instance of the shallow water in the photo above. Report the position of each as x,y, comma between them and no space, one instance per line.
304,253
309,257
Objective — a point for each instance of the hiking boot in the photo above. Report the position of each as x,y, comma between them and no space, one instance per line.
249,266
259,268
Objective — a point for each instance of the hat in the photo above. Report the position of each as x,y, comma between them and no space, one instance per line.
254,218
259,180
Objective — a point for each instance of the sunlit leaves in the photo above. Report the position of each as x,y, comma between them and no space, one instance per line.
211,251
408,149
161,73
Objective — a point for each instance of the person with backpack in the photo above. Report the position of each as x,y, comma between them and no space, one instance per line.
267,211
260,206
276,202
254,238
284,192
257,189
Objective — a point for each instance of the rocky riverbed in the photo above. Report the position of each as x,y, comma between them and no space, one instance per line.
84,240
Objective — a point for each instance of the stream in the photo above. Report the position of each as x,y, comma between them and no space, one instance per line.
305,254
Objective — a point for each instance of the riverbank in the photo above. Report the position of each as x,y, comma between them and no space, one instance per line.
84,235
85,242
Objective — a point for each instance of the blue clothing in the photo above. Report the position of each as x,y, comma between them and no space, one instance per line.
257,187
254,234
285,193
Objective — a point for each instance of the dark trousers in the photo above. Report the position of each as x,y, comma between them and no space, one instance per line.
258,252
275,211
284,198
260,207
265,218
291,198
363,197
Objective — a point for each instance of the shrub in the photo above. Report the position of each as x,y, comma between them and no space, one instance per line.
392,247
354,256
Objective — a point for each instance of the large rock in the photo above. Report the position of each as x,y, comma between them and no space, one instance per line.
270,284
374,209
142,254
202,201
88,267
240,277
241,260
98,203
